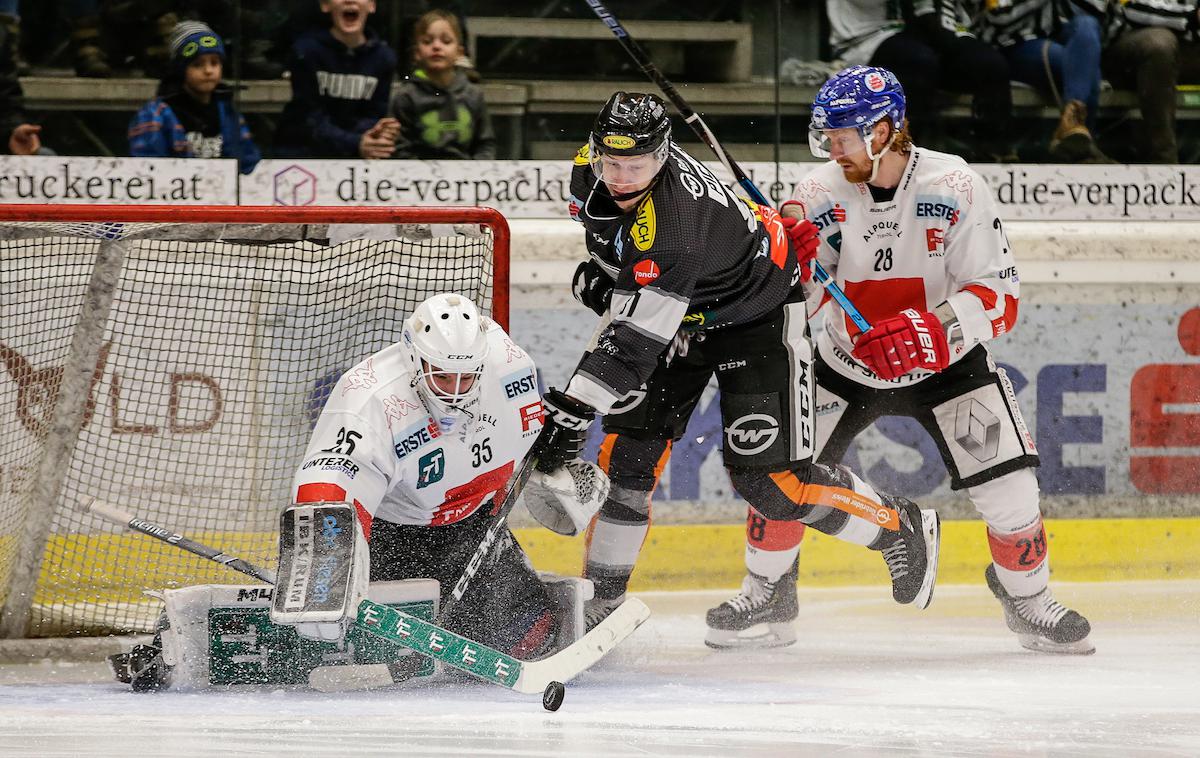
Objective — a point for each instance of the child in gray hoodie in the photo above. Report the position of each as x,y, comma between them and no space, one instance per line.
442,114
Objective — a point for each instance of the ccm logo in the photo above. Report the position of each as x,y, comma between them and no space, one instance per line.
752,433
923,336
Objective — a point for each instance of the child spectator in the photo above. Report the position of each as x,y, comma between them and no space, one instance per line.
341,80
441,113
193,115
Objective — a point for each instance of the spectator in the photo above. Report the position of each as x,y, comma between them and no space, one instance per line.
91,59
441,113
10,35
23,137
341,80
193,115
1151,48
1057,55
925,45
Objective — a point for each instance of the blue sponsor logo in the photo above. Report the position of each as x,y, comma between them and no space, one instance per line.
519,383
936,206
414,437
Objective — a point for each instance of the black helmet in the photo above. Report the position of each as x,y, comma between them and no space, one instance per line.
631,123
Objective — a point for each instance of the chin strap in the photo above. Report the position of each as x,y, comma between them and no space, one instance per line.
875,159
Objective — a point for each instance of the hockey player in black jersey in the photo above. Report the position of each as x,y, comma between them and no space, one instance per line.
693,280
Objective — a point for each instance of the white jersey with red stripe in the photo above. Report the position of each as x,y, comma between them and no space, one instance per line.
939,239
379,446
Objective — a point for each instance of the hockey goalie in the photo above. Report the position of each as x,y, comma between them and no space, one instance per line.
406,466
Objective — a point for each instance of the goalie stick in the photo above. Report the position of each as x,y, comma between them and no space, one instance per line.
526,677
692,119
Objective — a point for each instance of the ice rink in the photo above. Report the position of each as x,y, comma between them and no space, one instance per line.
866,678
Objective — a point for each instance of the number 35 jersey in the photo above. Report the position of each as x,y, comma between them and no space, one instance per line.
939,239
378,446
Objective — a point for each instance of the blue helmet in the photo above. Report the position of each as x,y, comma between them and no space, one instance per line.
858,96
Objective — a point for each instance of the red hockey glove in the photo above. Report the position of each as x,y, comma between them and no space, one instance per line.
805,237
894,346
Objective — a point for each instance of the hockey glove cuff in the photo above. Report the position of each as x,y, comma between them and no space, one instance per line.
909,340
592,286
564,430
805,238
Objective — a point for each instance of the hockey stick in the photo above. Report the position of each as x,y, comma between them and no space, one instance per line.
133,523
692,119
515,485
350,678
527,677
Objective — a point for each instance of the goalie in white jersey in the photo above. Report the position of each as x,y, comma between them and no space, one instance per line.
411,456
914,239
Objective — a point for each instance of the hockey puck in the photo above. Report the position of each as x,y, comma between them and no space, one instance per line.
552,698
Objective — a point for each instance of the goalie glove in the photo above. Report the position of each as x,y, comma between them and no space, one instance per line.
909,340
324,567
566,500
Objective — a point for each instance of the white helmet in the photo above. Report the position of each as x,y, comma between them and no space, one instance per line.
448,345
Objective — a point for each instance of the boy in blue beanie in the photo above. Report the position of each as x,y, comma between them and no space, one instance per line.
193,115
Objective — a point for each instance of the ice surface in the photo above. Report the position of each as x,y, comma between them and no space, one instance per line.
866,678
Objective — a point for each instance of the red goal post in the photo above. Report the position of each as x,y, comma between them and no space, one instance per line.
172,360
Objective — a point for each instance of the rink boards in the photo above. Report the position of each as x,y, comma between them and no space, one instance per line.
677,557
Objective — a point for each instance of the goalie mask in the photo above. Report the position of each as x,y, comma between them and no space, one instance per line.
629,143
448,343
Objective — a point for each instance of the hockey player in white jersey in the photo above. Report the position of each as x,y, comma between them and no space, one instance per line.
411,456
914,239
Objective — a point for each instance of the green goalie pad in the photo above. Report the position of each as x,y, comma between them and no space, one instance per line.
223,635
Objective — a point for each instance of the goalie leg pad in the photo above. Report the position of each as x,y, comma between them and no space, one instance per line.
324,566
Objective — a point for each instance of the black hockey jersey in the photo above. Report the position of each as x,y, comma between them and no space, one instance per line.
690,255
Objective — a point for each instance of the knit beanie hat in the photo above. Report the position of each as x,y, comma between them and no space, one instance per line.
190,39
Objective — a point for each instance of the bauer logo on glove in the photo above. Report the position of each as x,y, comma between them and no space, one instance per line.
909,340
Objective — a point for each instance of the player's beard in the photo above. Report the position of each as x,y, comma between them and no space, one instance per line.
856,173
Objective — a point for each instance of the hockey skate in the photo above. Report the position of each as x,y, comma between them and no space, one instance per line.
597,609
142,667
761,615
911,553
1042,623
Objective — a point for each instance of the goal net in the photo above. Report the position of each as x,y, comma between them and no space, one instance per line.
173,361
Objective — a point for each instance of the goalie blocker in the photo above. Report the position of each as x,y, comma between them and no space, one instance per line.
324,566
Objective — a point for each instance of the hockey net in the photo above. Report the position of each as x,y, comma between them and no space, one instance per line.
173,361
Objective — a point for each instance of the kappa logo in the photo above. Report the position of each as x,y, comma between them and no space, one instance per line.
645,272
752,433
959,182
395,408
362,377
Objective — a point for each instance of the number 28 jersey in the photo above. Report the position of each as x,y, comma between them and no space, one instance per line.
939,239
378,446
